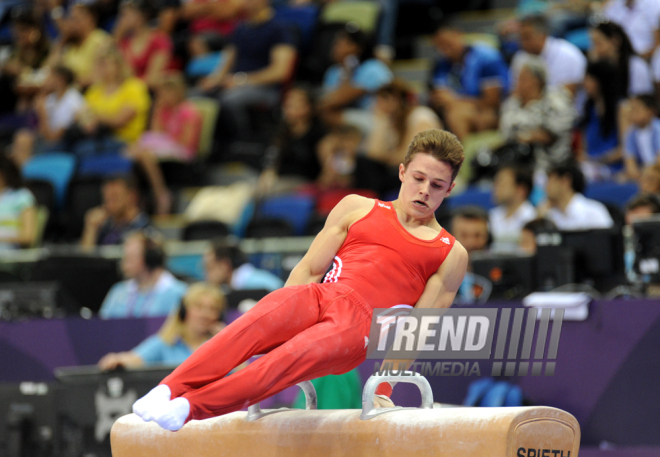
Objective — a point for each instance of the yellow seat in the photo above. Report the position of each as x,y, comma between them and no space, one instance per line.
472,144
482,38
42,220
365,14
209,109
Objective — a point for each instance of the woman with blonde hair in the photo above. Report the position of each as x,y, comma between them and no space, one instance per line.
117,106
197,320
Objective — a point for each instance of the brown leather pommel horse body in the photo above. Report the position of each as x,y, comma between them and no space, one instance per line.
446,431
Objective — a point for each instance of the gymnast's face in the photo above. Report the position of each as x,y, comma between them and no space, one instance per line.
425,183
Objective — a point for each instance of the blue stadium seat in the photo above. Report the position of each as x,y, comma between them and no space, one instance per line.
55,167
190,265
104,165
579,38
611,192
204,65
295,209
472,196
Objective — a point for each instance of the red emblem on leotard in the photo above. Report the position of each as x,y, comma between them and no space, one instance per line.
333,275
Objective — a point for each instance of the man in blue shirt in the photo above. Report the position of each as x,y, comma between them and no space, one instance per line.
354,79
258,60
226,266
149,289
118,216
467,82
642,139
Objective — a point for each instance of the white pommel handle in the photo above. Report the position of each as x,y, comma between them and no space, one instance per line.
368,408
254,411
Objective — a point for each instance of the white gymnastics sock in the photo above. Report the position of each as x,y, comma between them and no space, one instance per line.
173,414
151,402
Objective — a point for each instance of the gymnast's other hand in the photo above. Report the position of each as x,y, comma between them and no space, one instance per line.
381,401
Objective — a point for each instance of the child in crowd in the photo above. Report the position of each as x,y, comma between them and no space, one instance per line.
56,107
338,156
18,212
176,126
642,140
205,56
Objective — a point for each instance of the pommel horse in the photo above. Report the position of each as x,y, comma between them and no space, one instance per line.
537,431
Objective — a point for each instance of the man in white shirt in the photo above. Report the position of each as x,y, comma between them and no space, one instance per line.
565,62
511,189
62,104
639,18
56,107
567,207
149,289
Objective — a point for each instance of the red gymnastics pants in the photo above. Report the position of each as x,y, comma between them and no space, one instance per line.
305,332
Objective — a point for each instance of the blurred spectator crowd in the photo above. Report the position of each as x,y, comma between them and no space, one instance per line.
254,118
223,132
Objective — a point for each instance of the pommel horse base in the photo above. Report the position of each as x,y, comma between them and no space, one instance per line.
451,432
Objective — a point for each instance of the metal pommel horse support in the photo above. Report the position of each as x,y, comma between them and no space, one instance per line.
255,412
368,408
382,432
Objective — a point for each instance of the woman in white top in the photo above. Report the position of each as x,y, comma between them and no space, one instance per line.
56,107
610,42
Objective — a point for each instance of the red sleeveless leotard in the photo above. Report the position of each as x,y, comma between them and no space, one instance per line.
384,263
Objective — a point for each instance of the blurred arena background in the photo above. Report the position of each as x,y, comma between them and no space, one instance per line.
150,145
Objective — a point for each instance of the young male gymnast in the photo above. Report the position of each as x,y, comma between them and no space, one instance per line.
383,254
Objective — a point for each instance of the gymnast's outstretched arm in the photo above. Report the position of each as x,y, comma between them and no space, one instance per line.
315,263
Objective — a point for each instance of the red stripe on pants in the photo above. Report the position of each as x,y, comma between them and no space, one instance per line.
306,332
